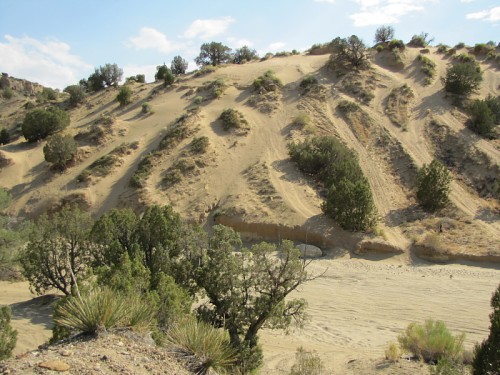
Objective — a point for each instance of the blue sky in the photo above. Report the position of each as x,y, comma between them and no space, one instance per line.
58,42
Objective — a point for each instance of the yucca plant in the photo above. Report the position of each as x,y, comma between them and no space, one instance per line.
96,310
140,314
206,348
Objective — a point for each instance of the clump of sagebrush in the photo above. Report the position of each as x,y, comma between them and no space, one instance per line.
214,89
105,164
428,68
433,186
484,115
307,363
432,342
308,82
232,119
138,179
146,108
199,145
267,82
303,121
392,353
349,198
8,336
206,349
346,106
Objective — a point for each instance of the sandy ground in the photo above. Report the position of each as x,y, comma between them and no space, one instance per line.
356,308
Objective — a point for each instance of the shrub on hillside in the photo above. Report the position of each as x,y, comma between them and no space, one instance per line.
59,150
169,78
428,68
396,43
76,94
422,40
349,51
487,354
383,34
267,82
433,186
213,53
199,145
7,93
244,54
307,363
40,123
8,336
442,48
462,79
484,115
232,119
178,66
124,96
432,342
4,137
308,82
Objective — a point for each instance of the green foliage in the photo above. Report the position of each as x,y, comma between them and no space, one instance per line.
432,342
350,203
4,137
208,348
178,66
204,70
7,93
168,78
246,290
302,120
199,145
484,115
146,108
138,179
60,150
214,88
460,45
483,49
58,252
428,68
214,54
40,123
244,54
384,34
161,70
421,41
442,48
462,79
346,106
125,95
267,82
447,367
110,74
49,93
349,51
104,165
308,82
433,186
396,43
198,100
487,354
392,353
8,336
465,58
231,119
76,94
307,363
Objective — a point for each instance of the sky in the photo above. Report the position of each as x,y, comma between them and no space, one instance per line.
58,42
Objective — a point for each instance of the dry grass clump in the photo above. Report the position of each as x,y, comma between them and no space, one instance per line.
398,102
232,119
307,363
393,352
178,170
213,89
205,70
199,145
267,92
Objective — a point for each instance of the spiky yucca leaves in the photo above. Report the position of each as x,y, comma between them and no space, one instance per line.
102,309
206,348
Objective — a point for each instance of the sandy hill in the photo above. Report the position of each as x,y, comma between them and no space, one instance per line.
245,178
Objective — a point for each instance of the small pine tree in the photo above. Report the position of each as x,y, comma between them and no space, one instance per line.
462,79
169,78
487,354
433,186
178,65
124,95
8,336
59,150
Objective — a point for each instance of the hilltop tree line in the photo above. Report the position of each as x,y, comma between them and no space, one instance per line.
163,263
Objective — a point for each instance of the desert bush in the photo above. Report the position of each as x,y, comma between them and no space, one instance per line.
146,108
350,51
204,70
199,145
428,68
161,70
433,186
396,43
484,115
7,93
483,49
422,40
267,82
346,106
49,93
60,150
302,120
232,119
244,54
308,82
8,336
169,78
124,96
40,123
307,363
392,353
459,45
214,54
432,342
442,48
487,354
383,34
465,58
76,94
207,348
111,74
214,88
451,52
462,79
4,137
178,66
379,48
144,168
198,100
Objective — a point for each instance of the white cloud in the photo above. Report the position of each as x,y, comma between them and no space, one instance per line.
275,47
377,12
49,62
238,43
491,15
150,38
206,29
133,69
324,1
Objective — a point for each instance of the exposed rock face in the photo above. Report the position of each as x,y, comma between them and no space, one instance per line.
58,366
377,246
310,251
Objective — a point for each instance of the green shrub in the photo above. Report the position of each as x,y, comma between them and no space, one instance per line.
199,145
60,150
460,45
125,95
40,123
451,52
76,94
308,82
49,93
379,48
146,108
205,70
483,49
214,53
349,51
302,120
4,137
8,336
307,363
465,58
7,93
428,68
487,354
232,119
178,66
442,48
396,43
392,353
462,79
432,342
267,82
244,54
420,40
198,100
215,88
484,115
207,347
433,186
384,34
346,106
169,78
143,171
